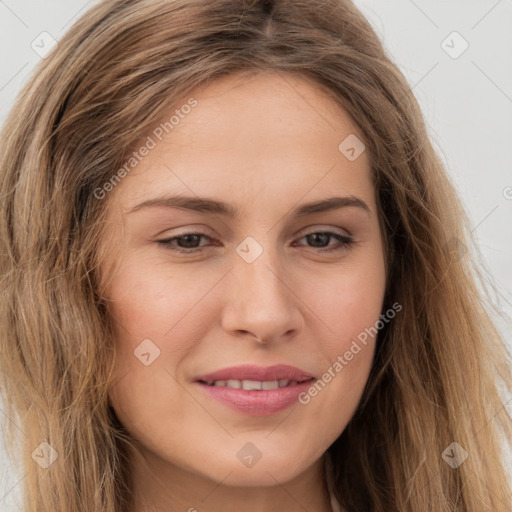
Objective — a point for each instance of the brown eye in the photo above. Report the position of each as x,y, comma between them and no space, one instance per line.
320,240
186,243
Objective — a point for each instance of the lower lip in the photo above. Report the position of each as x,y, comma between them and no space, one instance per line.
260,402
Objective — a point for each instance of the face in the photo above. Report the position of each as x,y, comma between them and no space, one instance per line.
256,279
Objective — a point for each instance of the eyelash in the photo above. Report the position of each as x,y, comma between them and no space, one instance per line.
346,242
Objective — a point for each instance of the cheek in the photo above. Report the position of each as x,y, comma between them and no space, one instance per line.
351,309
156,311
349,303
150,342
150,299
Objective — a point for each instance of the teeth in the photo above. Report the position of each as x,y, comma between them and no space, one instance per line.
249,385
253,385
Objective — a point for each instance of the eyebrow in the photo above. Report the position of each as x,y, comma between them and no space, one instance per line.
206,205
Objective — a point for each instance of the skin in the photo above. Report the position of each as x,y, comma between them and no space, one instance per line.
265,143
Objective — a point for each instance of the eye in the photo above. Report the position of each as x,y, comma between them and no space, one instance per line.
187,243
323,237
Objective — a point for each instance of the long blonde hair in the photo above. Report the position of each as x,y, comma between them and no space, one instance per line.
437,365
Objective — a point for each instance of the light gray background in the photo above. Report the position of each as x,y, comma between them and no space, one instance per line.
467,103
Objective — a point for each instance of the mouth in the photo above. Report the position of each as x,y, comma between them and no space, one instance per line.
254,385
251,374
256,390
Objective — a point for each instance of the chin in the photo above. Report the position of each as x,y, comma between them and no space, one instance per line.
270,469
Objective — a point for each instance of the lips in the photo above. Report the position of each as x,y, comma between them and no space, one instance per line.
255,390
256,373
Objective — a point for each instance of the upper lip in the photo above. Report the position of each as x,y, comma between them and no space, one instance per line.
258,373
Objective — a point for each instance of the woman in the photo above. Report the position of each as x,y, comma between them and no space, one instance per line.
150,371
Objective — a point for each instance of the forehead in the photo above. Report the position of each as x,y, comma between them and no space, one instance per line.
264,111
280,135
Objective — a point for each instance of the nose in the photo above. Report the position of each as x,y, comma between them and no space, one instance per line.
261,304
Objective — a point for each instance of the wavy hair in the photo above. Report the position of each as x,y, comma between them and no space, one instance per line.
438,365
